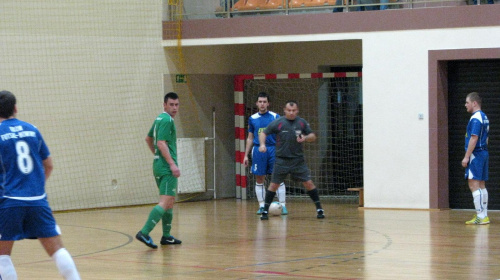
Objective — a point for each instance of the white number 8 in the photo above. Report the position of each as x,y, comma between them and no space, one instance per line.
24,160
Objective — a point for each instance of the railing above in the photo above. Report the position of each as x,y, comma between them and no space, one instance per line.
205,9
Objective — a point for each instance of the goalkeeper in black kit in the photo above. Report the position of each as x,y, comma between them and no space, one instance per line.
291,132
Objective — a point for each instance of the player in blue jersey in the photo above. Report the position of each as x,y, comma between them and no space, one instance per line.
25,165
476,157
262,163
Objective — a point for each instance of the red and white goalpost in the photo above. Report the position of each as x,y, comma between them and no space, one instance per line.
240,118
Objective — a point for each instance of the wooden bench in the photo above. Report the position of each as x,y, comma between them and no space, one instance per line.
361,195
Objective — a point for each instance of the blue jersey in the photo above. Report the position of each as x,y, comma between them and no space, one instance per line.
22,175
258,122
478,125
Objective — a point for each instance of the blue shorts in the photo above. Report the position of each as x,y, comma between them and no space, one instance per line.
17,223
262,163
477,169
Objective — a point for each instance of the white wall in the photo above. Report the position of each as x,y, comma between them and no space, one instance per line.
395,91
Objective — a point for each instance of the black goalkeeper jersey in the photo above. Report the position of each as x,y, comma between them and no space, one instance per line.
286,136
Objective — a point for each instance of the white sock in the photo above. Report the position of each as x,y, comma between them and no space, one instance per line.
477,197
282,193
260,192
7,270
65,264
484,196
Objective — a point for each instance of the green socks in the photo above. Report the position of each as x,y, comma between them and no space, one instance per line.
154,217
167,222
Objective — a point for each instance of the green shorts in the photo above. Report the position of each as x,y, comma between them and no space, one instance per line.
167,184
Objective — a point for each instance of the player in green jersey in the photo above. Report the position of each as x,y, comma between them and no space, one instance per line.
162,141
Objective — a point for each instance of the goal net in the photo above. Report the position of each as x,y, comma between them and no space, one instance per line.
191,148
332,104
88,74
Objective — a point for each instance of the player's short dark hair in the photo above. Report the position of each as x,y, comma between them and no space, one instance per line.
172,95
292,102
263,94
7,104
474,96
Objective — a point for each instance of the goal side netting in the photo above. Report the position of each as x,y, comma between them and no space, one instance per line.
91,75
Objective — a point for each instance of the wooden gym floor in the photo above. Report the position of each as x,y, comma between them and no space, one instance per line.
225,239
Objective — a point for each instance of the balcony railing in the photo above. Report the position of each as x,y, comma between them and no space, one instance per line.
206,9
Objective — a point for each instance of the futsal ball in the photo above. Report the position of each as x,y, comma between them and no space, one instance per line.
275,208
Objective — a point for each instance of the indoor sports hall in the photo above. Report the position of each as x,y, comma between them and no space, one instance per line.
383,88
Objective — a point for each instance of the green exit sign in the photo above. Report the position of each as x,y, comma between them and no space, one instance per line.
180,79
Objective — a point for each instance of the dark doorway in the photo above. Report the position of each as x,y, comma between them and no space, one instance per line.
465,76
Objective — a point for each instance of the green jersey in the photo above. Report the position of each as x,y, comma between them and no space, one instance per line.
163,129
